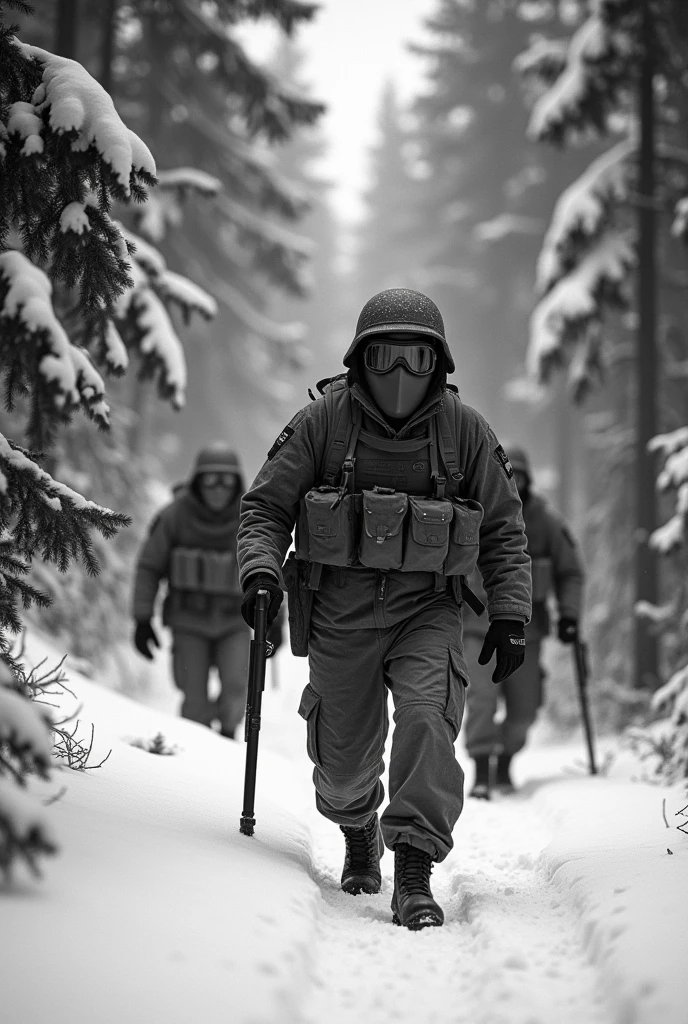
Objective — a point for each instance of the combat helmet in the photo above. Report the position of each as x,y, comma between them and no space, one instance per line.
217,457
400,309
520,463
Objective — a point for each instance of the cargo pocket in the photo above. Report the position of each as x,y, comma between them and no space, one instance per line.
309,709
464,543
456,692
382,535
331,527
427,535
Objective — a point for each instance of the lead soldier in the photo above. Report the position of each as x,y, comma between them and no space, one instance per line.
397,489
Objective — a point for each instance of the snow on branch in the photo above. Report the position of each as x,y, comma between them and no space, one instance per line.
674,474
265,228
287,333
679,228
581,96
544,59
571,308
582,211
40,514
67,377
179,290
146,326
189,179
76,102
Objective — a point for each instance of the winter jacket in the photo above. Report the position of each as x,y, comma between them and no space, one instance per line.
186,528
357,597
556,566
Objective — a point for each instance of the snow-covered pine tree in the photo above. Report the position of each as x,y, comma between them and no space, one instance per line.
670,743
65,157
588,91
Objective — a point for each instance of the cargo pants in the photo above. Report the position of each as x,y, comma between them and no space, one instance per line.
419,661
192,658
522,693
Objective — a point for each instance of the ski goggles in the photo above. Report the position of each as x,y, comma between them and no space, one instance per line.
380,357
218,480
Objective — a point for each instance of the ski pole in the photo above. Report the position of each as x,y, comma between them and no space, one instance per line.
580,654
254,698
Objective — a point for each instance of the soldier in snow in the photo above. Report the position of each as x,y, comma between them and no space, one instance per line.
397,490
555,565
192,545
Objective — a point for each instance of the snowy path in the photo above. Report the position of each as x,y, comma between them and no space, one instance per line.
562,904
509,952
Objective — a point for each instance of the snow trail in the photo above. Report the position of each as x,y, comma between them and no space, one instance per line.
510,951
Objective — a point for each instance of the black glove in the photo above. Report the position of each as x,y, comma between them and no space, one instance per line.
144,636
567,631
252,584
507,638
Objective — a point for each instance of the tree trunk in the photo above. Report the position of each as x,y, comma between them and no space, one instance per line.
107,46
646,675
66,28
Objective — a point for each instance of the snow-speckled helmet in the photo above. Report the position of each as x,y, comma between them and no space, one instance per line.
400,309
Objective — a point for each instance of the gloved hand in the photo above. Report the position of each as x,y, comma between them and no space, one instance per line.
252,584
507,638
567,631
144,636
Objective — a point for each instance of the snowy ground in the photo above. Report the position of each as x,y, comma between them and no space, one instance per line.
562,904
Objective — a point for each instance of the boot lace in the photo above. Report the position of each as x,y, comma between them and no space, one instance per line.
361,844
416,867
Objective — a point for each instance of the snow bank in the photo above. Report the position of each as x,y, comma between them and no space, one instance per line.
626,873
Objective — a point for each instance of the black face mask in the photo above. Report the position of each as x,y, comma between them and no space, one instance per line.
398,391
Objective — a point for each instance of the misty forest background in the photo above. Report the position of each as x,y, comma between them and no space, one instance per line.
463,190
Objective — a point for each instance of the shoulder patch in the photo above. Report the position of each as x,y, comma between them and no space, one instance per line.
503,459
280,441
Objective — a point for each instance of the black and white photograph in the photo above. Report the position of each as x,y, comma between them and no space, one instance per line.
343,511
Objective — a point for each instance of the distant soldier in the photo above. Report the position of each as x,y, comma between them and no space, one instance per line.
555,565
192,545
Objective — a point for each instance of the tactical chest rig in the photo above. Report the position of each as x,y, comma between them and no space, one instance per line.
384,524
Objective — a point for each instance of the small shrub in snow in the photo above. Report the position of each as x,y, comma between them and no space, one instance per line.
157,745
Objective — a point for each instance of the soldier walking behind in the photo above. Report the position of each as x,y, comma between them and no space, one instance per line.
192,545
555,565
396,489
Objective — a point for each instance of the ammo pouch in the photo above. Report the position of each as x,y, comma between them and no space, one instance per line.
296,574
464,542
382,536
427,534
331,527
541,571
199,571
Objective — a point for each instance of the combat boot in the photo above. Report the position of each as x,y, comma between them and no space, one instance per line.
364,848
481,783
503,781
413,905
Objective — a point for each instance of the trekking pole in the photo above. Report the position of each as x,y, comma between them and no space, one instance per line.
256,685
580,654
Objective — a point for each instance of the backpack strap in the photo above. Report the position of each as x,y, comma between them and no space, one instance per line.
339,422
448,428
438,480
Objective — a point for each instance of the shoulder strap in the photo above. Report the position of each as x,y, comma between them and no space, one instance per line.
448,421
339,423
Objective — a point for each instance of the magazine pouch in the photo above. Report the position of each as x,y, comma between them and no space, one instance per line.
382,536
427,534
296,573
541,570
331,526
464,543
197,570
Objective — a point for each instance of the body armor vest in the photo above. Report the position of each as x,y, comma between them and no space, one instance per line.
386,503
